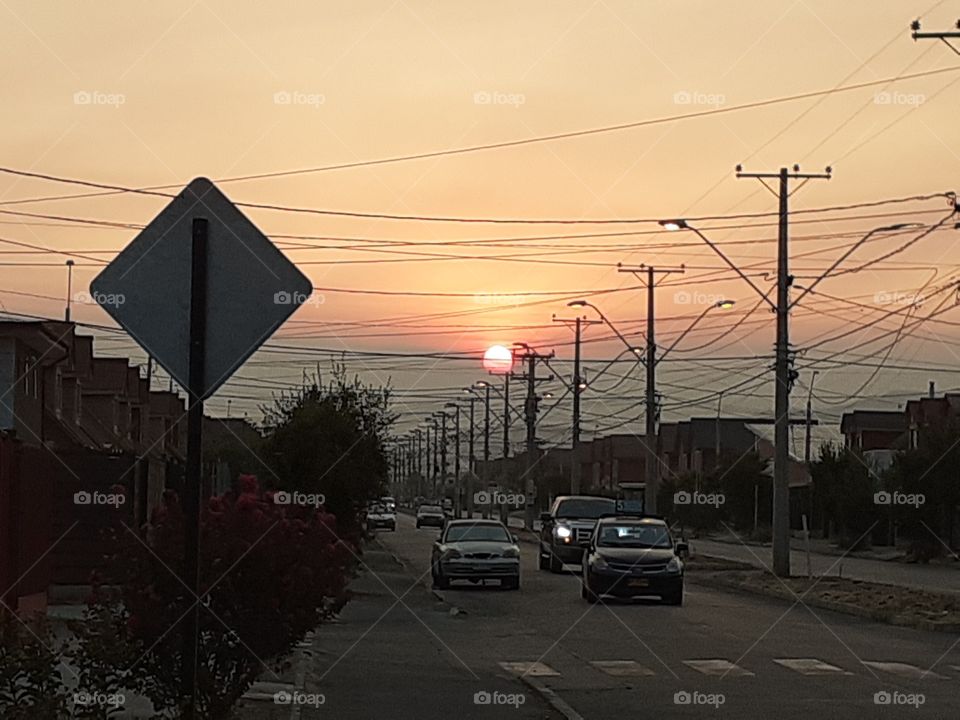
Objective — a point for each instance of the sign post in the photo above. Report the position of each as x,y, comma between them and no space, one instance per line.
200,289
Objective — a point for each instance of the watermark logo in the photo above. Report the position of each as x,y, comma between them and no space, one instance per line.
695,97
284,697
696,298
501,299
514,700
99,699
488,97
96,97
684,697
499,498
899,98
884,297
898,498
96,497
108,299
298,498
298,298
886,697
698,498
297,97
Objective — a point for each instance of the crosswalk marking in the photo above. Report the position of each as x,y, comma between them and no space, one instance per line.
533,669
904,670
810,666
622,668
717,667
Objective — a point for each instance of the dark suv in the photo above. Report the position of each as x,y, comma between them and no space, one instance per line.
566,530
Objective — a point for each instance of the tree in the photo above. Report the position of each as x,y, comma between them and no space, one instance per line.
844,490
744,482
330,439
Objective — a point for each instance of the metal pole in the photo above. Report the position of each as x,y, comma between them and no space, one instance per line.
575,448
427,461
486,446
70,265
650,495
506,419
194,468
443,453
458,501
781,485
531,418
806,444
472,462
716,447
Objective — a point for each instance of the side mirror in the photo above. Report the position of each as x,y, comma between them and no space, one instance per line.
515,539
545,517
683,550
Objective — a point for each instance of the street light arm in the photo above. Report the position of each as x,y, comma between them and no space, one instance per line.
733,267
631,348
684,333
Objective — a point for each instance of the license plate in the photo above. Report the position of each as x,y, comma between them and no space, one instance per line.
638,582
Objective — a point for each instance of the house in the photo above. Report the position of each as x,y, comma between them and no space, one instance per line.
864,430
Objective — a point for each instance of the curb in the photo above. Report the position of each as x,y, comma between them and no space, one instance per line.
875,615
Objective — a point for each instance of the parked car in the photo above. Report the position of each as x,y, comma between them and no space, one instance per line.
566,530
381,516
430,515
390,502
631,557
476,550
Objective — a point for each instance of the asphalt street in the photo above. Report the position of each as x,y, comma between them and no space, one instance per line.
720,655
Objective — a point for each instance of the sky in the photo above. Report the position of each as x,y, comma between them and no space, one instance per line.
154,94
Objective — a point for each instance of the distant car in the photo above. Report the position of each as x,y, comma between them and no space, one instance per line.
390,502
631,557
381,516
566,530
448,507
476,550
430,516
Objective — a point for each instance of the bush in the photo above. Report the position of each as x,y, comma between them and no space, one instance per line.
30,682
269,574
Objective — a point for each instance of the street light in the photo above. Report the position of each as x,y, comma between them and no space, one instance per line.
632,348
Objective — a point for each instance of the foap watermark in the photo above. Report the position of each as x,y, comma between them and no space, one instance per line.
685,697
684,297
96,97
884,297
494,97
895,697
514,700
696,97
83,497
99,699
285,697
298,498
499,498
698,498
298,298
898,498
108,299
501,299
299,98
899,98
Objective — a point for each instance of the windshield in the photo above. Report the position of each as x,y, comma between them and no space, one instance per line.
435,509
637,536
477,533
587,508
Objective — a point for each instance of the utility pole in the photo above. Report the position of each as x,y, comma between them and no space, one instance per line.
506,419
530,415
443,452
486,444
716,446
785,375
806,444
575,469
436,459
472,459
651,474
457,501
945,37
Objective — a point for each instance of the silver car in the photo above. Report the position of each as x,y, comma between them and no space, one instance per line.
476,550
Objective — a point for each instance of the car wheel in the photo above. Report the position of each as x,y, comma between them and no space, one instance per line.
555,563
542,560
418,524
674,598
587,593
441,582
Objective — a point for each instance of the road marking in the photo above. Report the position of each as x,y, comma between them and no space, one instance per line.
904,670
533,669
810,666
622,668
717,667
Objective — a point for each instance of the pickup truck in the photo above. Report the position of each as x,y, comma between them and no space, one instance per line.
566,530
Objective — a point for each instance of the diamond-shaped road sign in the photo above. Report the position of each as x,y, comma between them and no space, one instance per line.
251,288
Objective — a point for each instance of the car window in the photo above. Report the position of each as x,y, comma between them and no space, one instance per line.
633,535
586,508
477,533
430,509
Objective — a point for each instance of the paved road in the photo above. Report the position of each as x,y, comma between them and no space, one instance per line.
766,659
929,577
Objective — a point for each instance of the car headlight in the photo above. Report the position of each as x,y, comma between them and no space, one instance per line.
511,552
675,565
599,561
451,554
562,531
